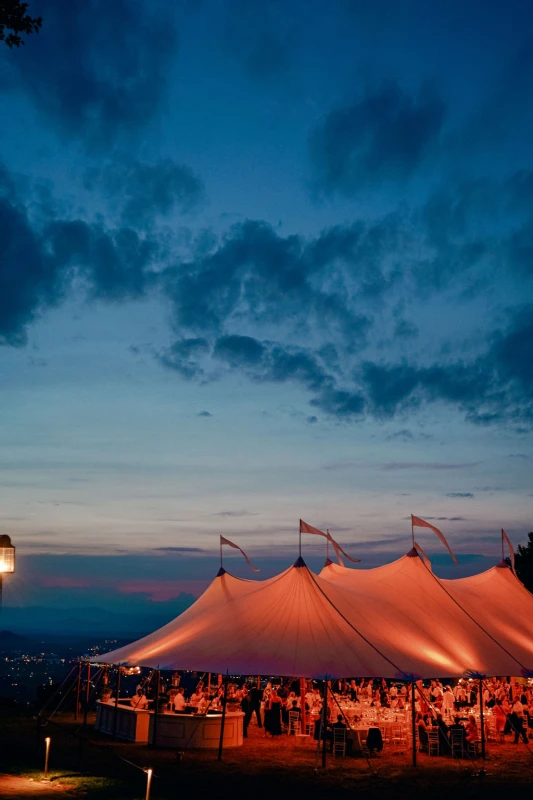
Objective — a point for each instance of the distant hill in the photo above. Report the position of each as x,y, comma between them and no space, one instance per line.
11,642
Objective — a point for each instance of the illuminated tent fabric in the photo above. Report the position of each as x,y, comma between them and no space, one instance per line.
393,621
501,604
282,626
431,630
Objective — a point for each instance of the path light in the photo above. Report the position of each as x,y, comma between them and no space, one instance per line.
7,560
46,756
148,782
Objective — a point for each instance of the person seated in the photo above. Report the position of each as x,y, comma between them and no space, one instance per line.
196,698
444,743
139,700
179,700
422,732
471,731
458,730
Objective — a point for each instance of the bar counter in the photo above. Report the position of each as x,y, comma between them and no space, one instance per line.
177,731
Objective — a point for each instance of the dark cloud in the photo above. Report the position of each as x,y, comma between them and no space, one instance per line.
403,435
39,264
259,275
147,190
178,550
98,70
261,35
204,414
432,465
116,263
459,494
384,136
234,514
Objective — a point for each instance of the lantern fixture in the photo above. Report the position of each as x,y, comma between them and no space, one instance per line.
7,559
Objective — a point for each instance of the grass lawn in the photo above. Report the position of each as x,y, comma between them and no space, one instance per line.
263,768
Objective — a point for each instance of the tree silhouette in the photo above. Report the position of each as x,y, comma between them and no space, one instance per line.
14,21
524,562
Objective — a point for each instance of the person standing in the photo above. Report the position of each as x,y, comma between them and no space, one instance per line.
256,695
246,707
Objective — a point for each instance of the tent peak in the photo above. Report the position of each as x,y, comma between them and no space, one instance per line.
413,553
299,562
502,564
221,572
328,562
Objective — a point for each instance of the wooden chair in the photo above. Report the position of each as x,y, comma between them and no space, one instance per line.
457,744
339,741
433,742
294,723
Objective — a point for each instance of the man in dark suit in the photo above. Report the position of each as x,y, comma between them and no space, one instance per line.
256,695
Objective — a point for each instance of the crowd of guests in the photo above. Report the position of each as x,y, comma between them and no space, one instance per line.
446,707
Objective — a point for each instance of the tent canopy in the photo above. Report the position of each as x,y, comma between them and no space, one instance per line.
397,621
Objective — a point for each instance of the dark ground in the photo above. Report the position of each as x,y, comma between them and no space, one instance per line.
263,768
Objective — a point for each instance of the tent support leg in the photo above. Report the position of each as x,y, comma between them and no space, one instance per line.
223,720
156,706
324,726
78,690
87,695
481,721
413,721
116,704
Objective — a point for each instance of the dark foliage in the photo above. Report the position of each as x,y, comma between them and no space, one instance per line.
14,21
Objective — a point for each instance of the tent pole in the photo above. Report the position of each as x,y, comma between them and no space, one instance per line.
156,707
412,530
116,704
78,689
413,721
87,695
300,544
223,721
324,719
303,716
220,552
481,722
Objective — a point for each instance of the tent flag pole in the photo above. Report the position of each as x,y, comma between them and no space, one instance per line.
300,542
324,718
413,721
223,721
503,552
221,554
481,722
412,530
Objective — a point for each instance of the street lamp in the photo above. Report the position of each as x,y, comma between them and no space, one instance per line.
7,560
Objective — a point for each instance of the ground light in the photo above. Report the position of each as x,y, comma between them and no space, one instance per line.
46,755
148,783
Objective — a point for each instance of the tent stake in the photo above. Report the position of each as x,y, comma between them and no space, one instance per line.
413,721
223,720
481,719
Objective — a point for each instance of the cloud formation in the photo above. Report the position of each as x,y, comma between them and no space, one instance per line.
111,75
383,136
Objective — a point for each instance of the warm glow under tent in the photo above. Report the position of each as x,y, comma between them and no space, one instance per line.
396,621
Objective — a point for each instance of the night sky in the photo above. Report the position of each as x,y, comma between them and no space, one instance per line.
262,261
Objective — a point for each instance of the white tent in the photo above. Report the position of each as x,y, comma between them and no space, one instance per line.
396,621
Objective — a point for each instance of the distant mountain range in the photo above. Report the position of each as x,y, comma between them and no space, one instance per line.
37,621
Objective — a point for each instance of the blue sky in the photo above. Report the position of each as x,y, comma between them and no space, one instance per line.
262,261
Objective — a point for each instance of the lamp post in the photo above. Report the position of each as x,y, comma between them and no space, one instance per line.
7,560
